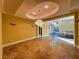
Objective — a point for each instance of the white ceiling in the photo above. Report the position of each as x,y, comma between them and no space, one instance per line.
20,7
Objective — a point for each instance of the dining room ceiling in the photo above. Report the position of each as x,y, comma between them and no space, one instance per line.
20,8
42,10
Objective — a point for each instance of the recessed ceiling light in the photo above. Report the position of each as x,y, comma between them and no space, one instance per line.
46,6
34,13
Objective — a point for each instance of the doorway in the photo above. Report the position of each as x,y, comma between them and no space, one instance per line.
73,34
62,28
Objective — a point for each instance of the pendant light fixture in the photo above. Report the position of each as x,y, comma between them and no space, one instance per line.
39,22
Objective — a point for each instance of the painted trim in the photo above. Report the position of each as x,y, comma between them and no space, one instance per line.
45,35
42,36
60,16
78,46
12,43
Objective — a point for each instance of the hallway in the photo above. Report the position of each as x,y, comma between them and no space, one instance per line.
41,48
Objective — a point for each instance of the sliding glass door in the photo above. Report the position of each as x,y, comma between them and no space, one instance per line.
62,27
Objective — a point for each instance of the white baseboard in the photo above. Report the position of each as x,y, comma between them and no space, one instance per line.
45,35
78,47
42,36
12,43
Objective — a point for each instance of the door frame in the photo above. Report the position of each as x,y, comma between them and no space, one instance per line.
75,14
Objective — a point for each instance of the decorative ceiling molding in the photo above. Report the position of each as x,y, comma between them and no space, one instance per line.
20,7
42,10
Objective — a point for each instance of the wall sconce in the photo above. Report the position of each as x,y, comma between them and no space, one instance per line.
13,24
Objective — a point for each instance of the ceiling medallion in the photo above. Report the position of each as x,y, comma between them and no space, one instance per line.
46,9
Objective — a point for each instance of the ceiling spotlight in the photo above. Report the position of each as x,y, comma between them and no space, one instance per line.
46,6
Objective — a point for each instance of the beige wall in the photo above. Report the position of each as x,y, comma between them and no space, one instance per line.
78,33
0,30
0,36
22,29
45,28
78,27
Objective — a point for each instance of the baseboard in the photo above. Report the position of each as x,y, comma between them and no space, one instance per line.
45,35
42,36
78,47
12,43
